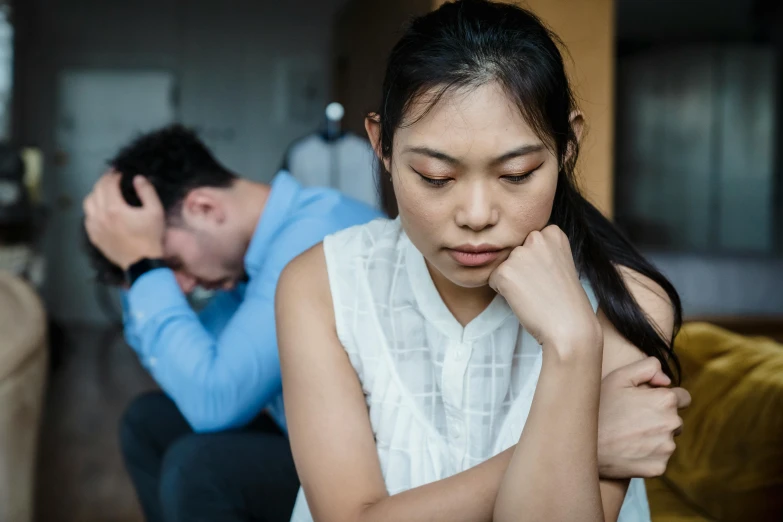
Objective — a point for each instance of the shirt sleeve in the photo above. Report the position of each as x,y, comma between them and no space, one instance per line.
218,382
213,316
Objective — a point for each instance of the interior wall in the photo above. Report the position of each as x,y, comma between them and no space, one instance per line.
695,147
731,286
777,36
237,63
694,20
365,33
709,284
587,28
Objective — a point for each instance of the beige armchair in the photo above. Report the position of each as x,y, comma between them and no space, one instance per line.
23,366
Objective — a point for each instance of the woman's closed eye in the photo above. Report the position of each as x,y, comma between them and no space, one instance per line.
436,182
522,176
510,178
518,178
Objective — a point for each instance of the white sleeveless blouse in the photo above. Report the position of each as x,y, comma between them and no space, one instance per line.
441,398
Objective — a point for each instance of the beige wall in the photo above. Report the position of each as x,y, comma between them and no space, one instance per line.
587,28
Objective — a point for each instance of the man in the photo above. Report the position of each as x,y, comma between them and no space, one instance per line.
166,219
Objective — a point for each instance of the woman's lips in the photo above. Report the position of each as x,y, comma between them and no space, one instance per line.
474,256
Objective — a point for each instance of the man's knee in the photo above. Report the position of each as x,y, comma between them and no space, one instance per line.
186,477
138,421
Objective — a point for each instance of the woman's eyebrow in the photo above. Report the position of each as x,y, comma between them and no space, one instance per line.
432,153
524,150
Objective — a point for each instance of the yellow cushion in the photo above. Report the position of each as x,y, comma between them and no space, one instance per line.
729,458
668,506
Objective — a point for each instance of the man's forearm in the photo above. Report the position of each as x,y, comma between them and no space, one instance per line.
217,382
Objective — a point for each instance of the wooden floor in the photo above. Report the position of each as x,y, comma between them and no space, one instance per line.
80,473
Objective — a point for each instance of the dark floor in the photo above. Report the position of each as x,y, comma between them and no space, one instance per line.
94,376
80,475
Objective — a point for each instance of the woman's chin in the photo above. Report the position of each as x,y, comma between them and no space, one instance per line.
460,275
470,277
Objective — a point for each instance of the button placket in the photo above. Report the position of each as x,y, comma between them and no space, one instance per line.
455,366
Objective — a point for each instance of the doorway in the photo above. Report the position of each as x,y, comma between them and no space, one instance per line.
98,111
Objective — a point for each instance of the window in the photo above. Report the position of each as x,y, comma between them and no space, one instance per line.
699,112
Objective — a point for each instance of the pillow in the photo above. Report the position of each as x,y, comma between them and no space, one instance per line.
729,458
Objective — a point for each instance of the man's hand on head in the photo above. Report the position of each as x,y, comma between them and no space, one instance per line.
638,420
125,234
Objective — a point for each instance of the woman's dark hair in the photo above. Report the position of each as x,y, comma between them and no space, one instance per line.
469,43
175,161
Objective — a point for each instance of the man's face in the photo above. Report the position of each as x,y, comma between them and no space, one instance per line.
204,244
202,258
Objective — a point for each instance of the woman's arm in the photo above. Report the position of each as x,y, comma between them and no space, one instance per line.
553,474
619,352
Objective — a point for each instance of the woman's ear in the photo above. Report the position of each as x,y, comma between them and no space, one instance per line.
372,124
577,120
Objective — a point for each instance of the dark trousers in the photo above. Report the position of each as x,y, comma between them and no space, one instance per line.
239,475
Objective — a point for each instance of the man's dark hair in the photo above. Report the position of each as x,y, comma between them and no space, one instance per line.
175,161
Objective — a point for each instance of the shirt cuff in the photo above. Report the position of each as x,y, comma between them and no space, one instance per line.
153,293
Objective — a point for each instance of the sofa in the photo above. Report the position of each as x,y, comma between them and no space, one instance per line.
23,367
728,465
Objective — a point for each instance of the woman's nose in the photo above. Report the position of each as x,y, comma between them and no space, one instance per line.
477,210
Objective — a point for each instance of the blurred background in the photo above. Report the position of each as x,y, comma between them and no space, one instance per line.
684,101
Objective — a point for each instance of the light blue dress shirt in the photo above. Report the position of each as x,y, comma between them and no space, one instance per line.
221,366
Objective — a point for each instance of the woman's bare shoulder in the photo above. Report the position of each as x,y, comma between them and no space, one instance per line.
653,302
651,298
303,287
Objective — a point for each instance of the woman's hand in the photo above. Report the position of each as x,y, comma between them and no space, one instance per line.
540,283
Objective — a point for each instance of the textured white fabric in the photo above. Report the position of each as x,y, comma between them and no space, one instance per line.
441,398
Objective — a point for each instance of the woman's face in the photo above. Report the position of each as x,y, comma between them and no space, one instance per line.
472,180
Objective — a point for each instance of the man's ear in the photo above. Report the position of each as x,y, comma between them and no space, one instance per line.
372,124
202,204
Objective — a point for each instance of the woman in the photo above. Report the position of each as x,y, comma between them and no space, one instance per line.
446,365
